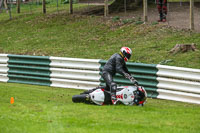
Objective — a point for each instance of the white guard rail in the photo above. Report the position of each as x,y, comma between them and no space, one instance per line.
178,96
178,72
3,58
74,73
76,84
3,77
178,84
3,68
75,63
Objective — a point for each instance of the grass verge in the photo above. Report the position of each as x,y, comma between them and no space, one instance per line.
47,109
82,36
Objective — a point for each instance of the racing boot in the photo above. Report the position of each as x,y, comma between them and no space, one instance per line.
164,17
113,98
113,93
164,20
161,18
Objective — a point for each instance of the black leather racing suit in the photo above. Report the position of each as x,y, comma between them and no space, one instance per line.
115,64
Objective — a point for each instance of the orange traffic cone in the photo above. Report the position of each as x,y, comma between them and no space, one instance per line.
12,100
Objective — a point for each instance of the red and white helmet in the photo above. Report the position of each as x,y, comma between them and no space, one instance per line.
140,96
126,52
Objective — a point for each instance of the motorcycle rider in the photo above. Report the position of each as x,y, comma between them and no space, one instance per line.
162,9
116,64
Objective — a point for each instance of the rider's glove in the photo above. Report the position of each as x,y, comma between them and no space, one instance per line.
132,79
134,82
126,75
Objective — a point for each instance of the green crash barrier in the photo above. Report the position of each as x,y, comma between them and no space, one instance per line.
29,69
174,83
29,60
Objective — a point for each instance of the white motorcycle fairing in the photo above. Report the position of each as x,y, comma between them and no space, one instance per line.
97,96
125,95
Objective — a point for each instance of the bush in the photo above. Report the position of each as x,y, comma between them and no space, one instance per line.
125,21
139,22
154,23
116,18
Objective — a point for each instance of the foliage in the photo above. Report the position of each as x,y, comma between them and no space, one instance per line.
126,21
154,23
115,18
139,22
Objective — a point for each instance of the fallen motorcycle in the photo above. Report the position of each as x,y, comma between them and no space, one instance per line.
127,95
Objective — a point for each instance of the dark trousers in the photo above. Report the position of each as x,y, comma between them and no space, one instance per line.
110,84
162,8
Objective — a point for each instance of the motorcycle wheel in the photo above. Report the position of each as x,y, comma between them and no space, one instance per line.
80,98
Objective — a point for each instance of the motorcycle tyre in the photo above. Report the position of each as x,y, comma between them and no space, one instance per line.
80,98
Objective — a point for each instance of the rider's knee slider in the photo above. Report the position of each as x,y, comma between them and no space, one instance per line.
113,86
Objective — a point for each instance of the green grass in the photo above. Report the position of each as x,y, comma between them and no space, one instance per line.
65,35
39,109
48,109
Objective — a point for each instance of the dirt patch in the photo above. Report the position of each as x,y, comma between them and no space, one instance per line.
178,15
